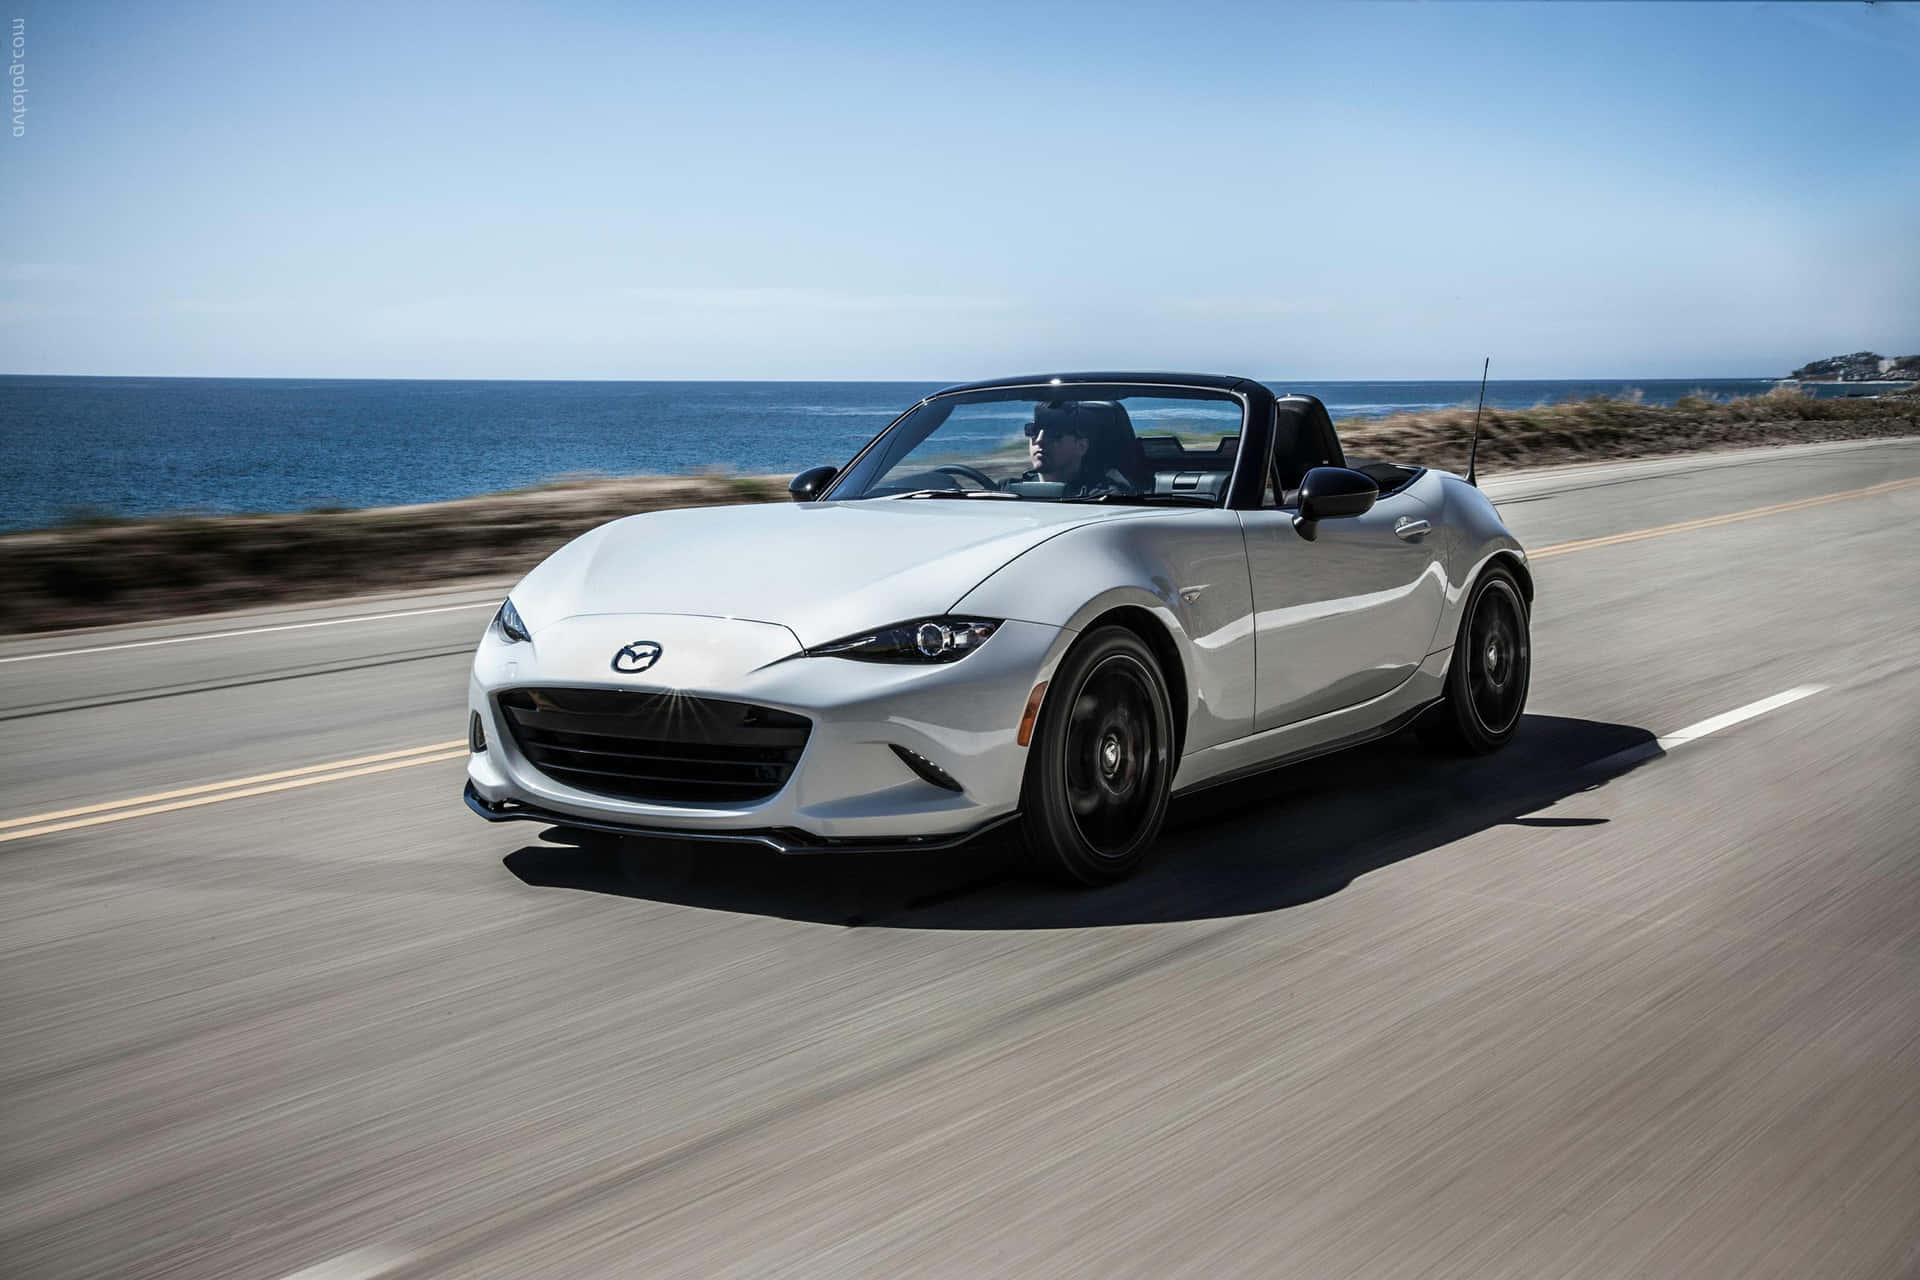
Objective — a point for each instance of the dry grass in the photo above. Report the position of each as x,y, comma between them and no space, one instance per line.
99,570
89,573
1589,430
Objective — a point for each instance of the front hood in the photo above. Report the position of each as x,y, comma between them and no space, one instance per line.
824,570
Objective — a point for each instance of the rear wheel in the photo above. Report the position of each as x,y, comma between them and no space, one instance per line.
1102,762
1492,666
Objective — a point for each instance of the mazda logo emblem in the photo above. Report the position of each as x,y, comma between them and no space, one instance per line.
636,657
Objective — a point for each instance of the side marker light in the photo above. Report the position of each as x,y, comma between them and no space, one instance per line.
1032,712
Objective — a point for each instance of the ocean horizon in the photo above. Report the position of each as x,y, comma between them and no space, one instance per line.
90,447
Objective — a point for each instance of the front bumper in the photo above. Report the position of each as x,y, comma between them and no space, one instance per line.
849,789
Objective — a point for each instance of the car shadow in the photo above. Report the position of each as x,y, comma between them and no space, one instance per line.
1280,839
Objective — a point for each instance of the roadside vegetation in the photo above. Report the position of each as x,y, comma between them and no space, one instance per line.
1606,427
99,569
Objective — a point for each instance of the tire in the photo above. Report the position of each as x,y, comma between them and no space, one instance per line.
1101,762
1487,681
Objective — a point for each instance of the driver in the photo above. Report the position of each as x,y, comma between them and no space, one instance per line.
1058,444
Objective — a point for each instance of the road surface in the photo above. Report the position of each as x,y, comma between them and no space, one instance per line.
1639,995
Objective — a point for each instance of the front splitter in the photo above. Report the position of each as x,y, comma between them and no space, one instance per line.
781,840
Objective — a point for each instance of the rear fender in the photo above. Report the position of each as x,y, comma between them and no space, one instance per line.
1476,538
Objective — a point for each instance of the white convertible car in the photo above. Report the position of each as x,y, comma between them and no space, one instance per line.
1038,606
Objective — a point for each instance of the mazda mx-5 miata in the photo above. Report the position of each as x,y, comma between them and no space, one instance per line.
1039,607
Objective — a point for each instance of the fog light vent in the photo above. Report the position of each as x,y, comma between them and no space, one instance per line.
476,734
925,768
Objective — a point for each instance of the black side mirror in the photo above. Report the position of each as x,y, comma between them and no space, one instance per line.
1330,493
811,483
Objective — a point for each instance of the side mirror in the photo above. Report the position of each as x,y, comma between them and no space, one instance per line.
1331,493
811,483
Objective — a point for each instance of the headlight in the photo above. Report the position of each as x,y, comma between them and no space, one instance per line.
927,640
508,623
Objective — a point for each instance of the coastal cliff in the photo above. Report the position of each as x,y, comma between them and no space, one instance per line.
1861,366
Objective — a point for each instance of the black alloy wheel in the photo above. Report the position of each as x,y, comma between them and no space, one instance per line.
1487,682
1101,762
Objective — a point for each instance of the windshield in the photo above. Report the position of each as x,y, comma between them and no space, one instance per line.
1072,443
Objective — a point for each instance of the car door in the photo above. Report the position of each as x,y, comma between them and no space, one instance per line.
1346,617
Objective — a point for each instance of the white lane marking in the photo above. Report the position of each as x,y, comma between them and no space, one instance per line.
1712,724
252,631
1728,719
361,1264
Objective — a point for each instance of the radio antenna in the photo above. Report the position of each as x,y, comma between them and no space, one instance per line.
1473,450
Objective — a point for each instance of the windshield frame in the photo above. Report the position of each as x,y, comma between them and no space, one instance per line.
1239,393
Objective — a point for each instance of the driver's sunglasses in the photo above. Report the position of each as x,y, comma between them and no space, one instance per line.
1030,431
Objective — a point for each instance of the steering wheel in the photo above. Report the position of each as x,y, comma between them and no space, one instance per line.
980,478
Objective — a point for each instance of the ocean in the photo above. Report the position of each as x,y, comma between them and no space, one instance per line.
77,448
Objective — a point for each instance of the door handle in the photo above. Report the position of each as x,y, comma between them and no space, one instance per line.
1410,529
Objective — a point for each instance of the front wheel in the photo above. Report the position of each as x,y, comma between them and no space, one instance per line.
1492,665
1102,762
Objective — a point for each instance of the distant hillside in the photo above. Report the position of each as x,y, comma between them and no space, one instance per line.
1861,366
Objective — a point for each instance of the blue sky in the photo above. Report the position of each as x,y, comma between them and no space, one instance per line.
712,191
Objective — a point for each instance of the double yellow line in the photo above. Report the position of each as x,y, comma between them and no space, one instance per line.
260,784
41,824
1714,522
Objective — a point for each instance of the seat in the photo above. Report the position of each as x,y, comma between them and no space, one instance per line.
1303,439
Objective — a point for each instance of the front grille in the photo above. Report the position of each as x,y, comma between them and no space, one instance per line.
661,747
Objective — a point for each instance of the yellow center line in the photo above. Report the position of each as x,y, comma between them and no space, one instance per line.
230,783
97,819
1709,522
41,824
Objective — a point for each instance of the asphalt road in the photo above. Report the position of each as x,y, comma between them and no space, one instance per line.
1611,1002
